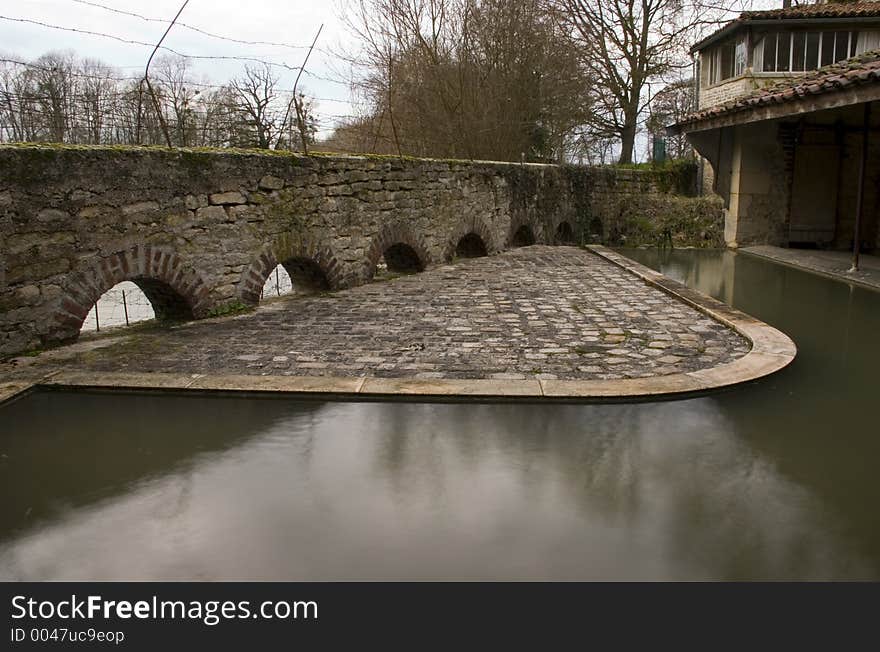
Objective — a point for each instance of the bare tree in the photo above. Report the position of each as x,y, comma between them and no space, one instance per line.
60,97
465,79
257,100
177,94
668,106
625,45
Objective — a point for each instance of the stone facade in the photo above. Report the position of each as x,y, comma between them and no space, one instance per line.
200,231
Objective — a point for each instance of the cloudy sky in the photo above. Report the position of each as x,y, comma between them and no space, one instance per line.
284,22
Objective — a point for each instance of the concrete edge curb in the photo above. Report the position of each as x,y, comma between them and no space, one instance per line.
824,273
771,351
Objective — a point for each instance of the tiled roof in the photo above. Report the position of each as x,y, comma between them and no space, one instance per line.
834,10
858,71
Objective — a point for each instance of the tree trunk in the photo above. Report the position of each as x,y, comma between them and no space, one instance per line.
628,139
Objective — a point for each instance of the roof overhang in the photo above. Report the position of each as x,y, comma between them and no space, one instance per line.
781,109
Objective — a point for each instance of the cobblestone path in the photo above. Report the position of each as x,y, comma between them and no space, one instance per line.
539,311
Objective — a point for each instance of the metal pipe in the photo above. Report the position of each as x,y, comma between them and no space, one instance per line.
860,197
97,323
125,307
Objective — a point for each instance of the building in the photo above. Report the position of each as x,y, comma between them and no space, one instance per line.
786,120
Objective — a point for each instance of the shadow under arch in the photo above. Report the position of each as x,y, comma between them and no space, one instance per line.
523,236
175,290
470,239
564,233
312,266
404,251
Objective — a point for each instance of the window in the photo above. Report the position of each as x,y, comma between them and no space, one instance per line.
727,60
785,51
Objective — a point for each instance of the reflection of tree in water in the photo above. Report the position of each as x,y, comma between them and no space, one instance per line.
675,474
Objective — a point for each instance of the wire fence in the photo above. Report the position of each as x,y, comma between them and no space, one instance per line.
278,284
122,305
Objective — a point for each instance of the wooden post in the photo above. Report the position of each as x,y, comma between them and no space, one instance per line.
125,307
97,323
860,198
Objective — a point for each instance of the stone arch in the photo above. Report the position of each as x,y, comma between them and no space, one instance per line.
564,233
522,235
475,227
308,261
404,251
175,290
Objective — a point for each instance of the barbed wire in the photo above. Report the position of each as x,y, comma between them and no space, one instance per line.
198,57
190,27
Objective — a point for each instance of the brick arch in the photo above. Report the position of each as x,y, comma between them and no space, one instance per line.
517,228
174,289
295,253
475,225
389,235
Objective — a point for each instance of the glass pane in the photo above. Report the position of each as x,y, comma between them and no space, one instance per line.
812,61
841,47
827,48
798,48
727,60
852,43
739,58
782,52
769,53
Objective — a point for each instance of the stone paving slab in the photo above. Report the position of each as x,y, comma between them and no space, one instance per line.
536,321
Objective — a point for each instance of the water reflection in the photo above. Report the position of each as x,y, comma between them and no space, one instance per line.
773,480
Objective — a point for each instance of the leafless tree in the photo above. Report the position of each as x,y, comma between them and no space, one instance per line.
625,46
465,79
258,101
670,105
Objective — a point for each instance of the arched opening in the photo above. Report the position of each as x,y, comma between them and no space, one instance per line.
135,301
400,258
306,275
471,246
295,276
564,233
523,237
277,284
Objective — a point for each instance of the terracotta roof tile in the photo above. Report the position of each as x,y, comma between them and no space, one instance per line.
834,10
860,70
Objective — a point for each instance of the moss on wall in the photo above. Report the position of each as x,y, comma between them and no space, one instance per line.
666,220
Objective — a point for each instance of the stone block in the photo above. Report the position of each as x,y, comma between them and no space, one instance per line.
269,182
227,198
50,215
211,214
140,207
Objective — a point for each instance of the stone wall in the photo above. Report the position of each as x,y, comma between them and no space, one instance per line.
200,231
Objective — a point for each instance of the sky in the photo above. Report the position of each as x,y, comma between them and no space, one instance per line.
286,22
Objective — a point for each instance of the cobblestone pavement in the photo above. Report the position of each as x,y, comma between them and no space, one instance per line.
539,311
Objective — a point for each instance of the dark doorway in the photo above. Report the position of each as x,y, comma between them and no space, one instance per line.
523,237
471,246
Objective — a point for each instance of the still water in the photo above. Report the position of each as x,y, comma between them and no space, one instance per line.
777,479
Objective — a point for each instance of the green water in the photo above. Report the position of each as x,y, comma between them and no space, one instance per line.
777,479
